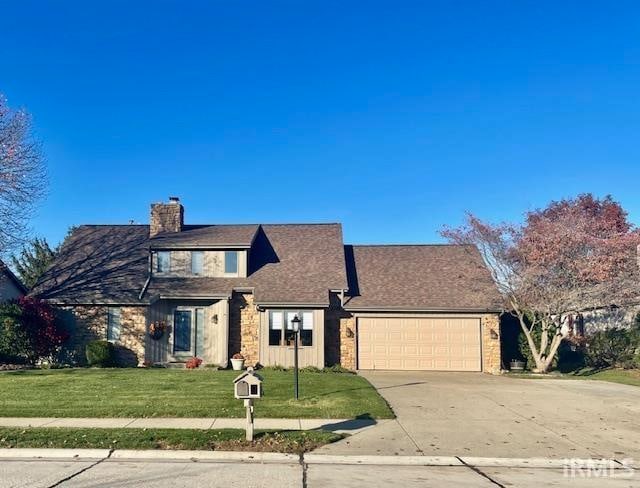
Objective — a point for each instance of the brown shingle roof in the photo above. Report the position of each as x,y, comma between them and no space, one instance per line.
431,277
193,236
289,263
98,264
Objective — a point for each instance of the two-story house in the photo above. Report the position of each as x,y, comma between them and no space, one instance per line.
166,292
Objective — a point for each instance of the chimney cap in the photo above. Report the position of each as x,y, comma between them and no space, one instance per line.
174,199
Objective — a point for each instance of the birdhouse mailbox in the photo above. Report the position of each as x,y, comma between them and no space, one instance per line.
248,386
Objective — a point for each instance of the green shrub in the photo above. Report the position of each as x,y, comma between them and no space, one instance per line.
14,342
100,354
310,369
615,347
275,367
336,368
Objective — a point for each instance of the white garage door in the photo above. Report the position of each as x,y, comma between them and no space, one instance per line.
437,344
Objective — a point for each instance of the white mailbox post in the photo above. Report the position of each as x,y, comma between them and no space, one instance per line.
248,387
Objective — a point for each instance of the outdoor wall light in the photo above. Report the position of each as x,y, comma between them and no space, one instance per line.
215,318
349,333
494,334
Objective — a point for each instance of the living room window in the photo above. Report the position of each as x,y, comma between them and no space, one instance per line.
231,262
163,262
113,323
197,262
281,327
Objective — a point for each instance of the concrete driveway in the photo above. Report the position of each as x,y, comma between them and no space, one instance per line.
473,414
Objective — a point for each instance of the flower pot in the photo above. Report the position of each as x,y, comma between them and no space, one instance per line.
517,365
156,334
237,364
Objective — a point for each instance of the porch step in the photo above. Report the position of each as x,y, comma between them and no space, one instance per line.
176,365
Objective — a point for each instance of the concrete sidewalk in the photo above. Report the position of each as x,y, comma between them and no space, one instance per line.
88,468
342,426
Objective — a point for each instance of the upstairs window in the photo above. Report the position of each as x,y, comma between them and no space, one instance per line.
163,261
231,262
281,327
113,323
197,262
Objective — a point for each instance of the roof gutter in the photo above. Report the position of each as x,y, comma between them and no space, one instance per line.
420,309
159,246
194,297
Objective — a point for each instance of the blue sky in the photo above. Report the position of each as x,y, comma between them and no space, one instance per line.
390,117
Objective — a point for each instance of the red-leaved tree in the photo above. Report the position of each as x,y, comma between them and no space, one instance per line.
38,320
575,255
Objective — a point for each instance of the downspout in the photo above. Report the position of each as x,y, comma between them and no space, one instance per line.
146,283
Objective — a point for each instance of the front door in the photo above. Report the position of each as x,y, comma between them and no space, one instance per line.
183,333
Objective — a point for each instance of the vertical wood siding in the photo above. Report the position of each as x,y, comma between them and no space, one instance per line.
160,351
283,355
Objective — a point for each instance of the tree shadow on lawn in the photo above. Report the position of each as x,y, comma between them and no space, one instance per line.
360,422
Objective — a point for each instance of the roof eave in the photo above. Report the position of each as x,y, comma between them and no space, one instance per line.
160,247
382,308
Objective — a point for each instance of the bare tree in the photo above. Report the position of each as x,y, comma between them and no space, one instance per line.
23,177
572,256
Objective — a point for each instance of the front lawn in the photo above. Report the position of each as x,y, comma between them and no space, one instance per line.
624,376
182,393
193,439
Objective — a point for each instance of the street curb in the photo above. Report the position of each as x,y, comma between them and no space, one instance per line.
65,454
206,456
383,460
123,455
553,463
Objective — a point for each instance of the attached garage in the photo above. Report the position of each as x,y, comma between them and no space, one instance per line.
419,343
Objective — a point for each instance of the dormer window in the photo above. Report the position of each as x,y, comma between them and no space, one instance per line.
197,262
231,262
163,262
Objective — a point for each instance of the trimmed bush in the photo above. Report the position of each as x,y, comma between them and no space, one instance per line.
100,354
613,347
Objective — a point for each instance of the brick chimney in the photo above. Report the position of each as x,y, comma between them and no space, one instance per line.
166,217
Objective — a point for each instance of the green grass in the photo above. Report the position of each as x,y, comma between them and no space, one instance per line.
624,376
182,393
210,440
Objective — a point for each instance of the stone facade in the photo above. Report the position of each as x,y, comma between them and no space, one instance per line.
244,325
130,348
166,217
491,353
84,324
88,323
348,342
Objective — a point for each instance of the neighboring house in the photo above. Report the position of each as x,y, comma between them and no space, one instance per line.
10,286
223,289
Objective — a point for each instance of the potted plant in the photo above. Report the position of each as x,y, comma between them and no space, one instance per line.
517,365
193,363
156,329
237,362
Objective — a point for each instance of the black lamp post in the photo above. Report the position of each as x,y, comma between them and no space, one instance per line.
295,322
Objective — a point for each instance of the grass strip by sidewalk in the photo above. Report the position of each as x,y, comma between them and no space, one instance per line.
623,376
192,439
137,392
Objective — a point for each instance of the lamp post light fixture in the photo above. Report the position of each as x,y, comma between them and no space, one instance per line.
295,323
